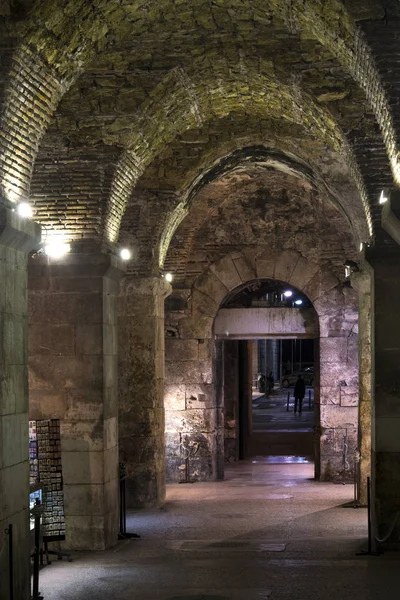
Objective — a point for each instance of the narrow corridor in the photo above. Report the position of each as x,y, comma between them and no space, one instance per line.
267,531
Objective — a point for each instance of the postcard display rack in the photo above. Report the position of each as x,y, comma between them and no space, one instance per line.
46,472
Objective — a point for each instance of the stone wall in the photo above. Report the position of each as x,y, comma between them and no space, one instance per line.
17,238
192,413
73,377
141,379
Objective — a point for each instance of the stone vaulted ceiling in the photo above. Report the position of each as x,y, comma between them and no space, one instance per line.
116,114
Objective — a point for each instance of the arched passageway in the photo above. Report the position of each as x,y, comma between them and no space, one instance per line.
220,143
194,402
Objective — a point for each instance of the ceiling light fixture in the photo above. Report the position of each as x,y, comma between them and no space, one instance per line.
288,293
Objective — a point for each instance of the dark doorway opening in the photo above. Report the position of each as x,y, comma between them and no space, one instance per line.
259,418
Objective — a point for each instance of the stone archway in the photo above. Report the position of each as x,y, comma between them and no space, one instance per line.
193,415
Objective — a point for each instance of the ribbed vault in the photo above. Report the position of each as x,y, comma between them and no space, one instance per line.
60,41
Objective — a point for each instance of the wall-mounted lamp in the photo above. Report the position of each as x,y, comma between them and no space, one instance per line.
384,196
56,247
125,254
24,209
350,267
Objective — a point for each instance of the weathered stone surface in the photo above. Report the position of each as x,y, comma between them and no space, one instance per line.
181,350
227,273
17,238
77,384
141,374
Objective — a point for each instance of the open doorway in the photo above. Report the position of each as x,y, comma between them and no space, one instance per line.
280,426
269,334
259,417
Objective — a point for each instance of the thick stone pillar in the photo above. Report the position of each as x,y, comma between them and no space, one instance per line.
73,377
338,384
17,238
194,415
362,282
231,398
386,407
141,388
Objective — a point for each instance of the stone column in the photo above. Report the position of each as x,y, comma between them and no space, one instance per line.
338,384
141,383
231,399
245,398
386,408
362,282
73,377
17,238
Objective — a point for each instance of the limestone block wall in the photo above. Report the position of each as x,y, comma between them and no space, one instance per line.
193,417
73,377
363,282
17,238
141,379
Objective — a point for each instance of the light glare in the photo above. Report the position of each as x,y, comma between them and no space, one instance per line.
288,293
24,210
57,248
169,277
298,302
125,254
383,198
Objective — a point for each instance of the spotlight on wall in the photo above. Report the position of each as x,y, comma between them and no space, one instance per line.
56,247
24,209
384,197
298,302
125,254
169,277
351,267
288,293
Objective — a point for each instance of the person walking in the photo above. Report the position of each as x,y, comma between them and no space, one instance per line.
299,393
270,380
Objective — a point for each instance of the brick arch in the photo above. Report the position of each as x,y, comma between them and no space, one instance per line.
248,87
194,378
262,155
60,40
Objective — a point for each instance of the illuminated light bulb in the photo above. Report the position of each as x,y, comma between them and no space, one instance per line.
125,254
168,277
24,210
55,245
57,248
298,302
288,293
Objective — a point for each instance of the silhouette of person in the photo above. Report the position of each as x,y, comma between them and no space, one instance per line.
299,393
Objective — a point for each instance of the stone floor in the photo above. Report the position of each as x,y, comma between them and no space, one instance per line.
278,431
267,532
